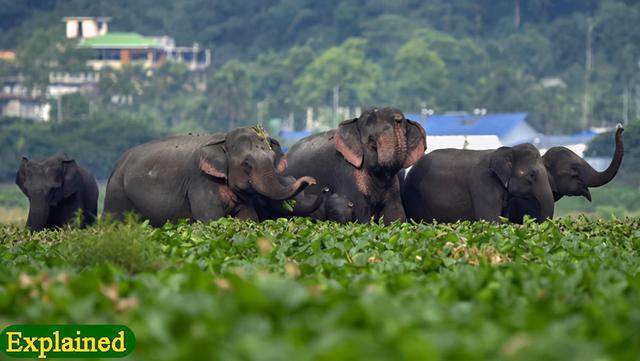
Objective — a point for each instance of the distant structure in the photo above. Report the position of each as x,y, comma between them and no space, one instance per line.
7,55
84,27
509,128
85,83
117,49
16,100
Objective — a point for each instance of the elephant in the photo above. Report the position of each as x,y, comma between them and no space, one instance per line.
326,207
57,187
200,177
569,175
359,161
449,185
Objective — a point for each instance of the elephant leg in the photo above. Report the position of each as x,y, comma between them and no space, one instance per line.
205,202
392,210
487,196
116,203
247,213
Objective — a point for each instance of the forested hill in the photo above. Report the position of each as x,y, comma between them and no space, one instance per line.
447,54
275,58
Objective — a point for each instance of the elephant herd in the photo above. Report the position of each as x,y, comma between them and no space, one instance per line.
350,174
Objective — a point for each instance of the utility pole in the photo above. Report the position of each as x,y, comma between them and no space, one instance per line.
336,103
637,102
516,15
625,106
587,76
59,100
260,107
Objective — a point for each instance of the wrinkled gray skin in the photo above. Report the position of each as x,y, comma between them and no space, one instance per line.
360,160
326,207
57,187
448,185
569,175
337,208
199,177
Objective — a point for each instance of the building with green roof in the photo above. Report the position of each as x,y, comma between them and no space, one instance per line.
118,49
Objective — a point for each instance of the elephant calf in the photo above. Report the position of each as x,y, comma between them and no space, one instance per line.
201,177
325,207
57,187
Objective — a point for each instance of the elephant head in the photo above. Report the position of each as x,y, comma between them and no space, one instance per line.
46,183
571,175
522,172
381,140
246,160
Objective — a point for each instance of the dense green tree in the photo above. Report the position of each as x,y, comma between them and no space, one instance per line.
345,66
230,94
419,74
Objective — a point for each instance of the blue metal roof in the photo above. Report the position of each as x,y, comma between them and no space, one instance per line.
499,124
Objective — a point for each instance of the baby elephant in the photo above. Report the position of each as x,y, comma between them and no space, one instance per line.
57,187
335,207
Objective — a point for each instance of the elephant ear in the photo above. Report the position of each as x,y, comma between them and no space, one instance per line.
21,174
213,157
280,161
501,164
416,143
348,142
72,179
548,164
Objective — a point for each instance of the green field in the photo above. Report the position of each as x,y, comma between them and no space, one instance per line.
567,289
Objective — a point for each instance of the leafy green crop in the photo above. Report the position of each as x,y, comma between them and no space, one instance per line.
567,289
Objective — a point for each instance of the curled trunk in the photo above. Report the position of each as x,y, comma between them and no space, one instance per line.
276,187
593,178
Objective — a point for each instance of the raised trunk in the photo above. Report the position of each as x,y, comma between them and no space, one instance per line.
593,178
277,187
38,214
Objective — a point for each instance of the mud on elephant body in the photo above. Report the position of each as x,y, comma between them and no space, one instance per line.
57,187
359,161
448,185
200,177
569,175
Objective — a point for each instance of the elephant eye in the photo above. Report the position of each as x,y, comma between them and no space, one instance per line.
532,175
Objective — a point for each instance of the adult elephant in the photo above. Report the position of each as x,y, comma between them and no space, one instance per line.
200,177
359,161
448,185
569,175
57,187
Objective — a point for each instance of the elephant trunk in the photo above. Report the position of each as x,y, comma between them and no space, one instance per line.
276,187
544,195
305,203
38,214
593,178
392,147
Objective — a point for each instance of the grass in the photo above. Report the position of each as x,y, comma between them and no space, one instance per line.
234,290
